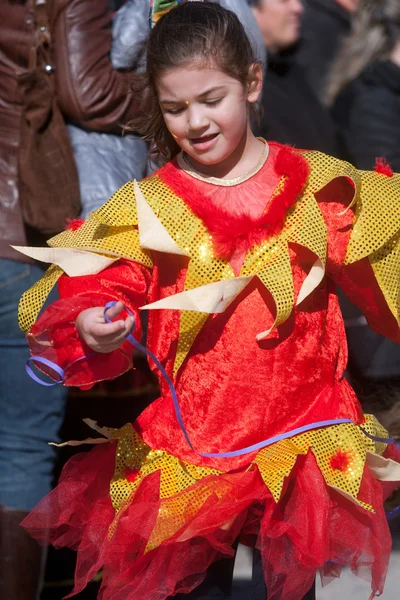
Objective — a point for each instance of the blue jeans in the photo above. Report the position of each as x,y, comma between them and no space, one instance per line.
30,415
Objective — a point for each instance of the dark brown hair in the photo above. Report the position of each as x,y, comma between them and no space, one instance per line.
202,31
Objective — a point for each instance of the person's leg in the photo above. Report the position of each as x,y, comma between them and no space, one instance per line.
258,589
218,583
22,560
31,416
216,586
310,594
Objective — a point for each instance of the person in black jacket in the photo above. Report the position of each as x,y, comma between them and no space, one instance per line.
325,25
292,112
365,89
367,113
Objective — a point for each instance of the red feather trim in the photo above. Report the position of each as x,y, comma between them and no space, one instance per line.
74,224
340,461
233,233
131,474
383,167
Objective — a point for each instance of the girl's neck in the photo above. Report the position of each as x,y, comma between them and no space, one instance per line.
241,161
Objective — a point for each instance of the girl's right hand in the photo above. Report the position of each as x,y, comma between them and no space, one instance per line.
99,335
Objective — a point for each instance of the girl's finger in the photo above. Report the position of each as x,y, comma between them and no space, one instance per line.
105,330
110,343
104,333
114,311
129,323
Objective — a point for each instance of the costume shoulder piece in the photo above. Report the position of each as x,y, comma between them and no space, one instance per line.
376,232
153,216
376,228
86,248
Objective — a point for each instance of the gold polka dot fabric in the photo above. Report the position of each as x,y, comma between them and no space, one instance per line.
192,237
191,323
376,233
177,511
304,225
385,263
32,300
120,210
377,214
324,168
182,497
112,230
314,235
276,462
269,261
135,457
275,272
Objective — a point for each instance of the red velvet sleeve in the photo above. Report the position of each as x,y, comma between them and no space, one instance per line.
357,280
54,336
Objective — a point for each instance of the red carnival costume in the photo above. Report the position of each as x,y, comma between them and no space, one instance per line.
239,279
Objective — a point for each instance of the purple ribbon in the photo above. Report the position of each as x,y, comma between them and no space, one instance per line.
178,413
382,440
53,366
393,513
273,440
232,454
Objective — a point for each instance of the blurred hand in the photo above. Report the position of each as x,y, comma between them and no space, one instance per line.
99,335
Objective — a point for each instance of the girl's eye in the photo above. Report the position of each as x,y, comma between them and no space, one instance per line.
174,111
213,102
178,111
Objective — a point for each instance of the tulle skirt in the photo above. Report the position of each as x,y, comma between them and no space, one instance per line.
311,528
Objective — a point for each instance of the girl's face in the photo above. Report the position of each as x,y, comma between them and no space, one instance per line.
206,110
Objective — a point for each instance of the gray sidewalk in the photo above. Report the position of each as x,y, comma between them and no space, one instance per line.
351,587
348,587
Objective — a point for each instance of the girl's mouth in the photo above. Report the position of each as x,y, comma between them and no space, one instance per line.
205,142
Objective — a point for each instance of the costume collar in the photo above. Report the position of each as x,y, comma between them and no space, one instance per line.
232,233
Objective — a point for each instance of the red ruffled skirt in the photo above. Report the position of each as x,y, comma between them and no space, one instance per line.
312,527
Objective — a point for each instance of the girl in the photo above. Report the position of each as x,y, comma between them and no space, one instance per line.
234,247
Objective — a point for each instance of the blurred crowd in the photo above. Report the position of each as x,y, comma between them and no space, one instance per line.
332,84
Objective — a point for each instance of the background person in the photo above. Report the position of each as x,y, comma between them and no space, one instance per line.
292,112
94,96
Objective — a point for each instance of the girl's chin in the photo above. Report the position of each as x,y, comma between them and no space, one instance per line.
210,158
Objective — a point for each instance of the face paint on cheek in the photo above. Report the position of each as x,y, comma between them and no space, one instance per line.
173,135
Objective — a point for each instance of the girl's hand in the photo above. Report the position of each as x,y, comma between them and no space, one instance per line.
99,335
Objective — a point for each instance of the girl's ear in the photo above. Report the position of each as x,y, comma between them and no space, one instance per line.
255,82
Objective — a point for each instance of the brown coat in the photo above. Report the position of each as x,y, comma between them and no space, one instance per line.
90,93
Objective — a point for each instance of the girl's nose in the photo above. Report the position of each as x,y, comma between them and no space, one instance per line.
197,118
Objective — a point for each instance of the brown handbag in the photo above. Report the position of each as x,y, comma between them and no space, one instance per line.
48,178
